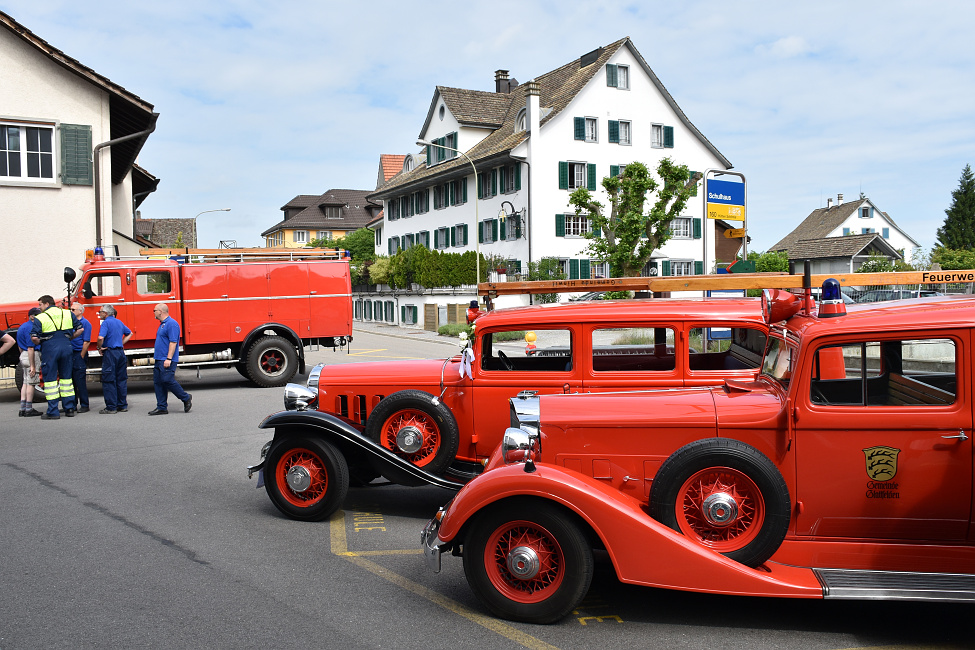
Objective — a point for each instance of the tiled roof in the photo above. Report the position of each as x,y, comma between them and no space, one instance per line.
818,224
392,164
847,246
557,89
165,232
301,201
355,212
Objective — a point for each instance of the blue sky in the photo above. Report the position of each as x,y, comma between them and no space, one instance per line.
259,102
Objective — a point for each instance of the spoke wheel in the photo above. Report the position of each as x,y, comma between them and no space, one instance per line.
411,426
306,466
306,478
722,508
409,429
524,562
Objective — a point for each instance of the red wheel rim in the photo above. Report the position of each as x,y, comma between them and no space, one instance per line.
316,471
721,483
514,538
272,362
424,426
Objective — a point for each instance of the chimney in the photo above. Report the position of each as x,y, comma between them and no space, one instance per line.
839,199
829,203
501,81
533,107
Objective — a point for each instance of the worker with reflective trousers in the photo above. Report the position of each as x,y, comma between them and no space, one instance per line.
53,329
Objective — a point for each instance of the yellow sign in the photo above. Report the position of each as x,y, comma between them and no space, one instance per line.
734,233
725,211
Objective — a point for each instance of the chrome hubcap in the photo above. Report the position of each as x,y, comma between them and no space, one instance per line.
299,479
523,563
720,509
409,440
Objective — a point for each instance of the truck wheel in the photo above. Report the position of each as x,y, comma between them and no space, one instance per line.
272,361
19,377
529,563
241,367
306,478
725,495
409,424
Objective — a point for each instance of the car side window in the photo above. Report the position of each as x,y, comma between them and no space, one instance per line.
527,350
153,282
634,349
102,284
726,348
910,372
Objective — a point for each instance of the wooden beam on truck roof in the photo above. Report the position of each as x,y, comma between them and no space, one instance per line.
722,281
246,254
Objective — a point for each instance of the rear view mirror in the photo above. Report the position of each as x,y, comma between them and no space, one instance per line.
86,290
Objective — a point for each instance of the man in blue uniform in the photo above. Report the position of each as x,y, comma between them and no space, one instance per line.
53,329
166,356
79,357
112,337
30,361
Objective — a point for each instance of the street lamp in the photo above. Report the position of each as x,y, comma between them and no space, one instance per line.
477,223
195,231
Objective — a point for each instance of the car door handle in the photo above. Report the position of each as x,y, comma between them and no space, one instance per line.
958,436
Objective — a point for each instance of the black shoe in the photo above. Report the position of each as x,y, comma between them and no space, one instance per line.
69,413
124,409
45,416
108,411
188,404
83,409
158,412
21,413
31,413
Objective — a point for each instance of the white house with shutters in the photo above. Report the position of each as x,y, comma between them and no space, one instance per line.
532,145
56,116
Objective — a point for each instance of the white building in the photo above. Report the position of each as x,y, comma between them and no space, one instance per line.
532,145
55,114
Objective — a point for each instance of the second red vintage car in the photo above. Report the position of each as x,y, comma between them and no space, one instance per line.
413,422
845,470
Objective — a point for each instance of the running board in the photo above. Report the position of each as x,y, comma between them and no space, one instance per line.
896,585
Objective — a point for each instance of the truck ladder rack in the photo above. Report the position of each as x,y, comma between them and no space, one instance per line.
193,255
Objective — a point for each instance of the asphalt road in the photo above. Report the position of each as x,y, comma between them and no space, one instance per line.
131,531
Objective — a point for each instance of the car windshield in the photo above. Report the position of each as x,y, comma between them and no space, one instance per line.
778,361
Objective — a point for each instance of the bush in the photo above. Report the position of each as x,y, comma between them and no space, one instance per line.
454,329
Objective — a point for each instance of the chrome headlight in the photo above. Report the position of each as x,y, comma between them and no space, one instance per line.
519,446
313,376
298,397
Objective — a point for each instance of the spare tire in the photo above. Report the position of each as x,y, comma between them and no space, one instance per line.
414,427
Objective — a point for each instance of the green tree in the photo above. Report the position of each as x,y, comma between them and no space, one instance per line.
379,270
627,236
954,260
547,268
179,240
958,231
361,243
770,261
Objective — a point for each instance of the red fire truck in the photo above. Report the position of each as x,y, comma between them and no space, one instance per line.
254,310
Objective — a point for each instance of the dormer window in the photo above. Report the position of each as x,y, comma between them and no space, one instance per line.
333,212
408,164
521,122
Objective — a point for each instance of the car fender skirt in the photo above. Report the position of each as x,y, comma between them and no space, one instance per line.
644,551
348,439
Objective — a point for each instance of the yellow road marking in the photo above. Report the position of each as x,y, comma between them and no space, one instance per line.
339,546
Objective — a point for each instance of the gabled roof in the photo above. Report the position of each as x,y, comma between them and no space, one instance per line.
846,246
355,206
823,221
301,201
557,89
129,113
391,164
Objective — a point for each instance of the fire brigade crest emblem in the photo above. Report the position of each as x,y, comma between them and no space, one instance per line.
881,462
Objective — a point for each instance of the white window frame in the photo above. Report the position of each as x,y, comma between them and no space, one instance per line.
682,267
443,236
22,159
864,213
623,77
487,231
576,225
573,171
657,136
627,127
299,236
682,228
598,270
333,212
509,179
325,234
592,129
521,121
459,235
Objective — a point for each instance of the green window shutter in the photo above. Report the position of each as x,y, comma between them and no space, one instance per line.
517,177
480,233
436,239
611,75
429,156
402,314
76,154
463,189
584,272
694,190
452,193
668,137
573,269
466,239
698,268
453,237
389,245
560,225
563,175
503,229
697,228
597,231
494,230
580,128
614,131
501,178
665,267
426,238
494,182
592,177
614,171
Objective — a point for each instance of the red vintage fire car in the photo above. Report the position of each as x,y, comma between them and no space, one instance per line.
844,470
413,421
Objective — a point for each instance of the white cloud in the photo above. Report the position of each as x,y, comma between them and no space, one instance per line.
784,48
